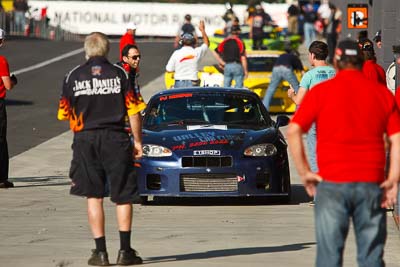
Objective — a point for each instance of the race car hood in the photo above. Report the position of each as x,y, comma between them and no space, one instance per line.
209,137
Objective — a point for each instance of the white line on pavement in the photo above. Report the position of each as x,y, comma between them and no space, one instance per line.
47,62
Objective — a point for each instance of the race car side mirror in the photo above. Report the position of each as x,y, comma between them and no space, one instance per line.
282,120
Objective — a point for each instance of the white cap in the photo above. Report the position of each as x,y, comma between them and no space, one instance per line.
2,34
131,26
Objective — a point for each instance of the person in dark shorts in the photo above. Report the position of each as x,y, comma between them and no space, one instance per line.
95,98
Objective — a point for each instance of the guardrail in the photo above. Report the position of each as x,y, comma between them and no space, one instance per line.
31,27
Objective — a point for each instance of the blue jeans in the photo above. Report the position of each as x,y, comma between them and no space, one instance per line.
312,148
233,71
279,73
335,204
183,83
309,34
19,17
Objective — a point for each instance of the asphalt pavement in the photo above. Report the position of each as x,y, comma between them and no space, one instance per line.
42,225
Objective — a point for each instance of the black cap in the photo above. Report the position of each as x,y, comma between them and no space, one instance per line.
347,48
366,45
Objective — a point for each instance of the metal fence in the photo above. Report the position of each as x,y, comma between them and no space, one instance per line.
30,27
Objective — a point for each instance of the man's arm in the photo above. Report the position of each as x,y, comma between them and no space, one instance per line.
297,98
8,83
218,57
390,185
136,128
243,59
202,29
296,147
171,64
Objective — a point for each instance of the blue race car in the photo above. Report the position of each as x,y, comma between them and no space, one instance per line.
212,142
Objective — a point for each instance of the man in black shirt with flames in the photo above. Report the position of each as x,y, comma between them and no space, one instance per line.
95,98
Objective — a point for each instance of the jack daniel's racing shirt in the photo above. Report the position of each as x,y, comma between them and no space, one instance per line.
97,95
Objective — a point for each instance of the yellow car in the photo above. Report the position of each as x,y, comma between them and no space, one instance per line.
260,65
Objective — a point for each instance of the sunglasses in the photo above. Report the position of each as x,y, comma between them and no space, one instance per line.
135,57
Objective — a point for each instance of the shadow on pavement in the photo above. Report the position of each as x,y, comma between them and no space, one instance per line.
229,252
40,181
12,102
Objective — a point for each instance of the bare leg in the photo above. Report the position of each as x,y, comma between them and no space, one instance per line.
96,216
124,217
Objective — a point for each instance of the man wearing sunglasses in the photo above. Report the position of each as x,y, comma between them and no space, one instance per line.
371,69
130,55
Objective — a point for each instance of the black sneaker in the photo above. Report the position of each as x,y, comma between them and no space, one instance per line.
128,257
6,184
99,258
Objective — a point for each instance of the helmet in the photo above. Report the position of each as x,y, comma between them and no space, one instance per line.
187,39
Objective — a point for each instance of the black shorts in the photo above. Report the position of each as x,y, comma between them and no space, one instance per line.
102,164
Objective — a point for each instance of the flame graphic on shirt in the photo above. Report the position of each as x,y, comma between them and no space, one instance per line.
187,58
63,109
133,104
76,122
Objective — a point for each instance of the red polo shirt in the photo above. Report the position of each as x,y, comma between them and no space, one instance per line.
374,72
352,114
4,71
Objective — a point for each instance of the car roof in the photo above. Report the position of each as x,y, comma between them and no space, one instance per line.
205,90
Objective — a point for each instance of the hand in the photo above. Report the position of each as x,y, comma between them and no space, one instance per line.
137,150
310,181
246,75
13,79
389,198
202,26
291,92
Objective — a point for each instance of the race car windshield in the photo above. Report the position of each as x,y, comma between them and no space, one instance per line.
233,110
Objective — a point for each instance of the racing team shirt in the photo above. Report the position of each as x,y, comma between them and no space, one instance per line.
97,95
374,71
351,115
184,62
231,49
4,71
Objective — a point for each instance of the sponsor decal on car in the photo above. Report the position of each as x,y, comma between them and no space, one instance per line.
207,152
241,178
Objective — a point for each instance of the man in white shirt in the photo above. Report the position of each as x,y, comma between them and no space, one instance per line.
184,61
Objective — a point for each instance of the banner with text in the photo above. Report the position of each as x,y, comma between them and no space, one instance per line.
152,19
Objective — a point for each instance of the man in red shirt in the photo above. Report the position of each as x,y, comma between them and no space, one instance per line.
127,38
352,115
7,82
371,69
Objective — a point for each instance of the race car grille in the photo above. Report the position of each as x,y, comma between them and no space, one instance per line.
208,182
225,161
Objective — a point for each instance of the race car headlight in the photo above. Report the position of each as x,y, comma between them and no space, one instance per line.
260,150
156,151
